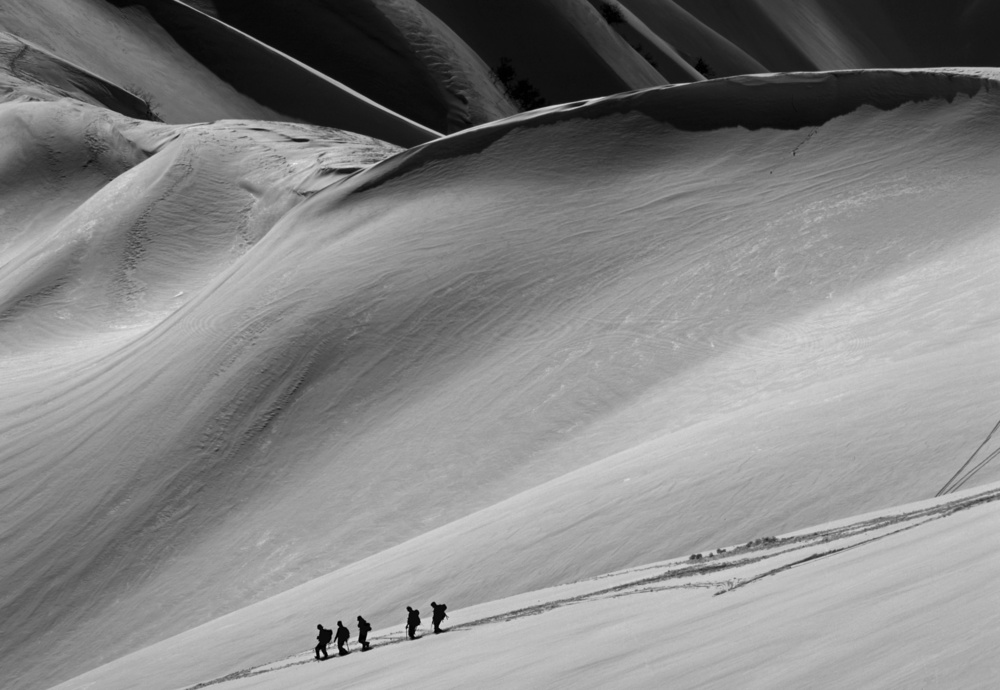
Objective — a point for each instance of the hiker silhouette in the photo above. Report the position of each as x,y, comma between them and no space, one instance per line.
438,616
412,621
343,635
324,637
363,628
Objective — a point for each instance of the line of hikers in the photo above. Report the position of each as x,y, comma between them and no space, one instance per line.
343,635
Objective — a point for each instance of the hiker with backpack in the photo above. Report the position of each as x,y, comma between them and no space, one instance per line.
324,637
363,629
412,621
343,635
438,616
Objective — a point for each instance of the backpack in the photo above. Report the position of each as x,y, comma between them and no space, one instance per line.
325,635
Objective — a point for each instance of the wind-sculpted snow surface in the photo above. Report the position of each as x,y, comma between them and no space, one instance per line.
535,351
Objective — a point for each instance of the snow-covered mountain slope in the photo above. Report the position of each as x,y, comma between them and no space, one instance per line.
28,71
693,38
900,598
192,68
430,60
397,53
379,67
850,34
126,47
535,351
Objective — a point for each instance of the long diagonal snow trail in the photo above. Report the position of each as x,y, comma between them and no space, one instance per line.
746,565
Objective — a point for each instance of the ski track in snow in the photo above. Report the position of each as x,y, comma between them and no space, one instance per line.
756,556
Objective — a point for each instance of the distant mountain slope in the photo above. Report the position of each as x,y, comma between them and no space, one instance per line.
194,68
28,71
850,34
661,55
432,60
572,341
127,48
269,76
696,40
397,53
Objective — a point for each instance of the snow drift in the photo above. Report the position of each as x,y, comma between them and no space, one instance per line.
535,351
